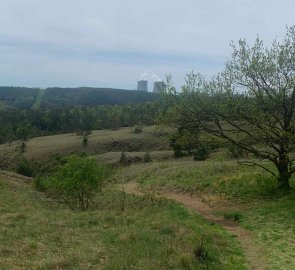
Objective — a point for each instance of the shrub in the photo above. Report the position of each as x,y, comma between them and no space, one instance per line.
147,157
137,129
23,147
201,153
24,168
85,140
123,159
76,182
183,142
40,184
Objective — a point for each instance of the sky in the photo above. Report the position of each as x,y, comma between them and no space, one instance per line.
114,43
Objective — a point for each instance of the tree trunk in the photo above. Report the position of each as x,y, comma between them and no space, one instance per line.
284,176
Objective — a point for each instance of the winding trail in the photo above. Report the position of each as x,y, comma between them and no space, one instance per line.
253,252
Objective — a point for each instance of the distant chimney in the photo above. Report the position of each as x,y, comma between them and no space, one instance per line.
142,85
159,87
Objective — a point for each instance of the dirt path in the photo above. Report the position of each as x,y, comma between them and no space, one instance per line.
254,254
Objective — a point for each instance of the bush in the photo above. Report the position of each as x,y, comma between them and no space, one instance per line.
123,159
40,184
24,168
137,129
147,157
23,147
75,182
85,140
201,153
183,142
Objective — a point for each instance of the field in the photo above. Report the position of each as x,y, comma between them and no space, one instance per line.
39,233
153,232
231,190
106,144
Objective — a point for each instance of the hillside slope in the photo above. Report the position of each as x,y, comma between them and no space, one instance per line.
39,233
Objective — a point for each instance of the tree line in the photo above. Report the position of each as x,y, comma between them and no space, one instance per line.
55,98
23,124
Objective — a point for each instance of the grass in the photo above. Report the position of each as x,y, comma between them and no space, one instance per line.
225,179
39,233
272,223
114,157
235,216
42,150
244,194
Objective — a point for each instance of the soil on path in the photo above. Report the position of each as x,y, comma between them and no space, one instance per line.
253,252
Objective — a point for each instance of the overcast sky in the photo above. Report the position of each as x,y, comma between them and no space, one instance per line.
112,42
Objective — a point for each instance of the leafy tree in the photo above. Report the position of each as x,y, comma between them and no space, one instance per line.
184,141
251,104
24,131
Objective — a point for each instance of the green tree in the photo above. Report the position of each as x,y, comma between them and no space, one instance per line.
251,104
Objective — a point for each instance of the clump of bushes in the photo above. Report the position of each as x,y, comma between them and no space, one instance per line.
201,153
24,168
186,142
160,132
76,181
137,129
124,160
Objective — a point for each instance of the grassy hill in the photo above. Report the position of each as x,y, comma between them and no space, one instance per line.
40,233
153,233
244,193
107,145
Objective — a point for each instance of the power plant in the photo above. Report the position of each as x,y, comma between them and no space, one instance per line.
142,85
159,87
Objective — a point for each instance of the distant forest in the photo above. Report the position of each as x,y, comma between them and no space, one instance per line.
28,112
54,98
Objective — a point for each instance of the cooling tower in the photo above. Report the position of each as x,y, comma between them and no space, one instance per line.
142,85
159,87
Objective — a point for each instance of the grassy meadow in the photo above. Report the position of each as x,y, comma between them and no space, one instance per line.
232,190
38,232
106,145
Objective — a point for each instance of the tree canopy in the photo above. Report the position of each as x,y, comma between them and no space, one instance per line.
250,104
